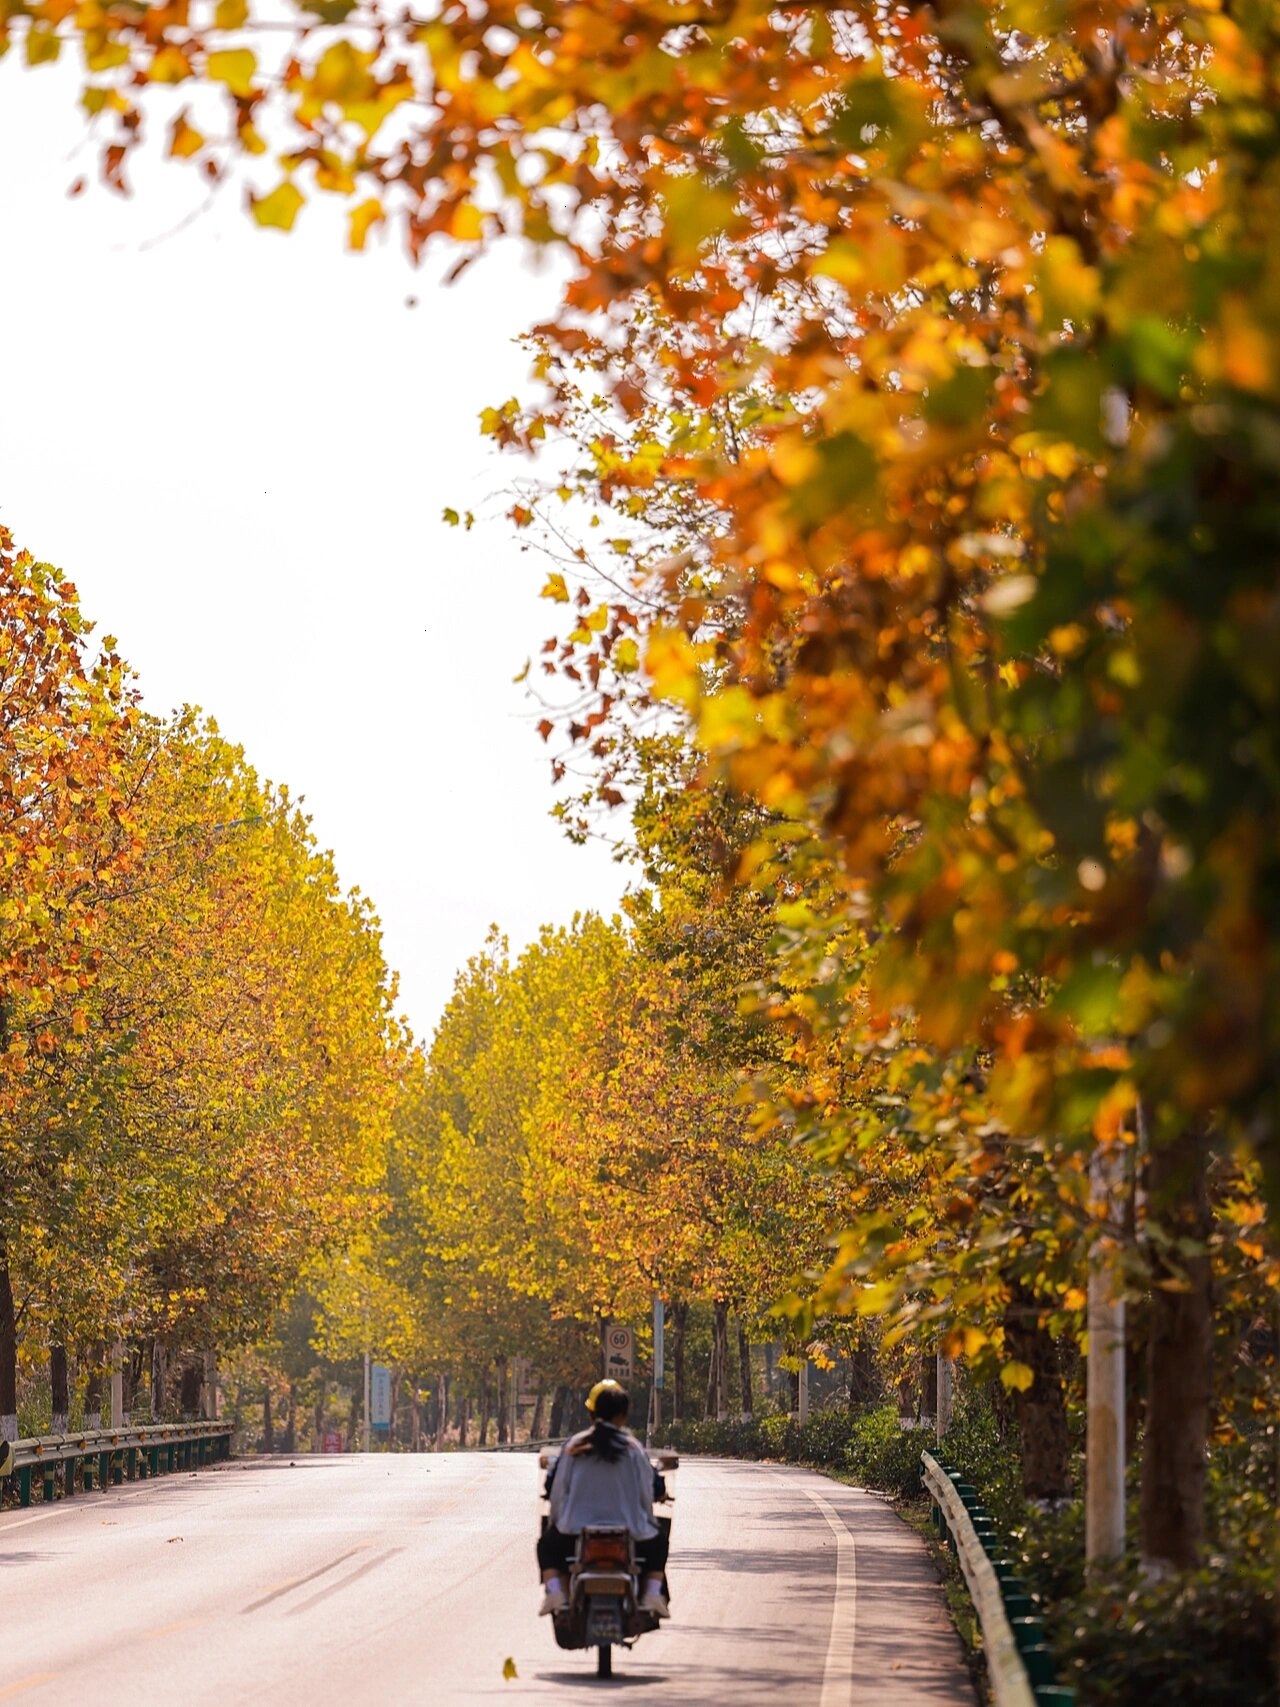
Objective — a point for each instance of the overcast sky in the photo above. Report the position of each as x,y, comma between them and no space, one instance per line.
238,445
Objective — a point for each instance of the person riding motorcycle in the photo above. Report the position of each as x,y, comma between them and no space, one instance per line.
603,1480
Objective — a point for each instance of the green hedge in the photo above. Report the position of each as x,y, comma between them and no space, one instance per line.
1206,1640
869,1444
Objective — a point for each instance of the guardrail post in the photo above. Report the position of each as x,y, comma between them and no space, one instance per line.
49,1474
86,1472
24,1485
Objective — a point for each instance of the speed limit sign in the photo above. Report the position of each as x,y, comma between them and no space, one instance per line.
619,1347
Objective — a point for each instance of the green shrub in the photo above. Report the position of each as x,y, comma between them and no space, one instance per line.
1201,1641
870,1444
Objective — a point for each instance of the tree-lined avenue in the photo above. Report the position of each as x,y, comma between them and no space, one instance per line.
411,1579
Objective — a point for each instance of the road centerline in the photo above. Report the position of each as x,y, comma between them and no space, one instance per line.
837,1672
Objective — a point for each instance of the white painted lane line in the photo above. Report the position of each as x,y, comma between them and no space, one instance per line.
25,1683
837,1673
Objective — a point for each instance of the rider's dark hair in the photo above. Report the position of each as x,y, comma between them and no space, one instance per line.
606,1439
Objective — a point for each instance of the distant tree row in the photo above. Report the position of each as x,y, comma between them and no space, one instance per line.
198,1054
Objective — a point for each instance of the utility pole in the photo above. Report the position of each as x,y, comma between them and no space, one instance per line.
1104,1384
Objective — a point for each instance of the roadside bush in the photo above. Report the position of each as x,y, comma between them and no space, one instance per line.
870,1444
1201,1641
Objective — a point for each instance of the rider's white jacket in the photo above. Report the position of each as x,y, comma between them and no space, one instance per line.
588,1492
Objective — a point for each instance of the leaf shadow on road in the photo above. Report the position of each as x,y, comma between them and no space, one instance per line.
29,1557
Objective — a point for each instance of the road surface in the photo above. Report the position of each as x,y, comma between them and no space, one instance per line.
355,1581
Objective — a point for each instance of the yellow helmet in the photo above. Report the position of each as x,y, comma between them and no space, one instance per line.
601,1387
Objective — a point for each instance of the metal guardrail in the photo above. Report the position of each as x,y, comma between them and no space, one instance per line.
109,1456
1019,1663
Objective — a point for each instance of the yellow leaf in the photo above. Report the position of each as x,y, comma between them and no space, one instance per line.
235,67
170,65
342,74
230,14
555,589
362,220
467,224
509,1668
42,45
279,209
184,139
672,665
1017,1377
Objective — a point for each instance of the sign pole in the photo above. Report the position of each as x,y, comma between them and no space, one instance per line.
366,1398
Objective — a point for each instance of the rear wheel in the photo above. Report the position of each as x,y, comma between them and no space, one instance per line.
604,1660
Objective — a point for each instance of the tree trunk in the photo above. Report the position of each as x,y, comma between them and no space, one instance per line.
442,1410
864,1384
464,1417
793,1377
317,1444
353,1418
60,1386
744,1374
290,1442
96,1361
1179,1357
539,1405
929,1386
8,1354
484,1412
190,1387
1042,1409
720,1333
713,1372
268,1431
132,1373
679,1322
504,1400
159,1373
556,1426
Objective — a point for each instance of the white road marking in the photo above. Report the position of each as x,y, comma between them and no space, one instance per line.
25,1683
837,1673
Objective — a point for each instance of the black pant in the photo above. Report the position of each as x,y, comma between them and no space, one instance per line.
555,1551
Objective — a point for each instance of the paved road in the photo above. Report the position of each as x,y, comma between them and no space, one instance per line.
341,1582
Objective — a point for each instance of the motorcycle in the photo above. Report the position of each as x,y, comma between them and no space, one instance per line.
603,1603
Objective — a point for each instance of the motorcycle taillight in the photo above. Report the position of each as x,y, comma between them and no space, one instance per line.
605,1550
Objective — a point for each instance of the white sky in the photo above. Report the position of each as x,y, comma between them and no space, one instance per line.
238,445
